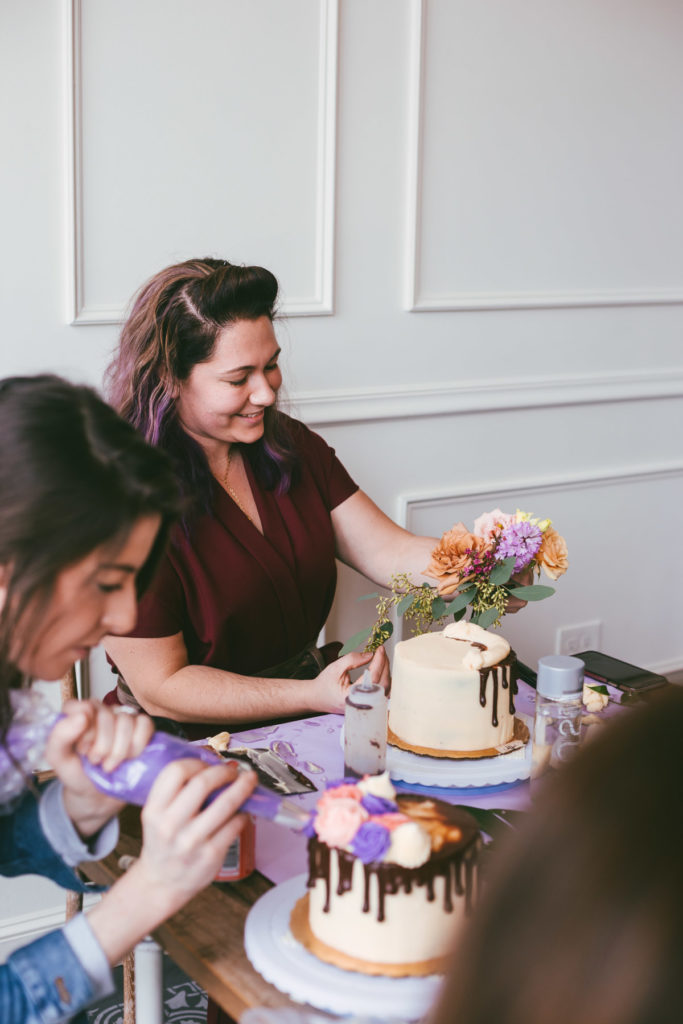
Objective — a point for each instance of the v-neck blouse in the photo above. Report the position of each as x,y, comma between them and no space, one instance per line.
246,600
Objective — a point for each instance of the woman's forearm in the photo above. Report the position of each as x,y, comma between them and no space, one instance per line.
199,693
134,906
374,545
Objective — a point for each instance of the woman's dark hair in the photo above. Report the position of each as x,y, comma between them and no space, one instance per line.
583,918
73,476
173,325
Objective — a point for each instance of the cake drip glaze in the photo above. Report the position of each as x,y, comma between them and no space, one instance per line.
503,674
455,862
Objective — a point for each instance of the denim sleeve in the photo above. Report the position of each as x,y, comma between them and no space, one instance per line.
26,850
46,981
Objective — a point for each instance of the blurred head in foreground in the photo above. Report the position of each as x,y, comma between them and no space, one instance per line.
581,921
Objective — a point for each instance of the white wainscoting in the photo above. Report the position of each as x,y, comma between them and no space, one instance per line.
176,131
614,522
319,408
504,138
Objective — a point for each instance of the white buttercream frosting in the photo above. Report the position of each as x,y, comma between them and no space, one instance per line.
496,647
378,785
410,847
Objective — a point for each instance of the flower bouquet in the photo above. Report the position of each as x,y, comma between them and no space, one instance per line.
474,570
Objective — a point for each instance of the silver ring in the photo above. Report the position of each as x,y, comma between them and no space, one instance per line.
123,709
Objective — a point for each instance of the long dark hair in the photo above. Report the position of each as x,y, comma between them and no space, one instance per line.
583,917
73,475
173,325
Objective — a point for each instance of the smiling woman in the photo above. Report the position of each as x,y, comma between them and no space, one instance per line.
228,632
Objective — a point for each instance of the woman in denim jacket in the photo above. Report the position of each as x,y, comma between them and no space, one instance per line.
85,507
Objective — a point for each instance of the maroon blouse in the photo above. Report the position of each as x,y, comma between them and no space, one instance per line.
245,601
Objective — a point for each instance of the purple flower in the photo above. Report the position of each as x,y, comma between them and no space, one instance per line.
371,842
521,540
378,804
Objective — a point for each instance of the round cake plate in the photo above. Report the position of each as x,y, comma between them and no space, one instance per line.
456,773
285,963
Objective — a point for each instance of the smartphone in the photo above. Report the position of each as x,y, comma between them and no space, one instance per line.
629,678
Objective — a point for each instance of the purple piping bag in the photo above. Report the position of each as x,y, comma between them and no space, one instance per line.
132,780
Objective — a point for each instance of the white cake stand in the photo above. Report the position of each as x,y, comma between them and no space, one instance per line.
456,773
285,963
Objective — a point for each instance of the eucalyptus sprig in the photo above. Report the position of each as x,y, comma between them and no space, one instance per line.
423,607
417,602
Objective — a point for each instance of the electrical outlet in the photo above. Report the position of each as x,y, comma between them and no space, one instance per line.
586,637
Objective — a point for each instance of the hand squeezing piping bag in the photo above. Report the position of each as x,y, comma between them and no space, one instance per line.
132,780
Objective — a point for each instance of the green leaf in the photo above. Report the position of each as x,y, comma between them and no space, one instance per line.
534,592
462,599
366,597
356,640
388,628
599,688
439,608
404,604
487,618
502,571
457,616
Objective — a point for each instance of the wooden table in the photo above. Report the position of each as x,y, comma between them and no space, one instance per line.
206,937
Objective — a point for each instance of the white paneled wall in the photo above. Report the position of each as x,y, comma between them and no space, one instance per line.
474,212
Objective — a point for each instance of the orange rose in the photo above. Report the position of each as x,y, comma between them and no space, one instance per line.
552,554
450,563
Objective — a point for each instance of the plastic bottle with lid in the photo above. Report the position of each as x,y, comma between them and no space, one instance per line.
557,721
365,728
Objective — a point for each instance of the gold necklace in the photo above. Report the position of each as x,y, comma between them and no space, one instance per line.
231,492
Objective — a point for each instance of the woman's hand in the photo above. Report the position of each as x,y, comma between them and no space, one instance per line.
184,846
182,850
332,685
104,737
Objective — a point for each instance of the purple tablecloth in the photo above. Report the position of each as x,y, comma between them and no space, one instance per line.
313,746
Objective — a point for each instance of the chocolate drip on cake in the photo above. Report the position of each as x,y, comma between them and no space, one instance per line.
454,862
503,674
472,643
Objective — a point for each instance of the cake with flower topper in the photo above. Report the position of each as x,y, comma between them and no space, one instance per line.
452,693
391,879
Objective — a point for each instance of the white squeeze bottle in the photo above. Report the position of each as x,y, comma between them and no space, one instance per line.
365,728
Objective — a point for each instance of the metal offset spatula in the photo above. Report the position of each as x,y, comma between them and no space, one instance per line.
273,771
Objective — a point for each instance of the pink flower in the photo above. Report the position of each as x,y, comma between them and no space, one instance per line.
490,523
338,821
346,790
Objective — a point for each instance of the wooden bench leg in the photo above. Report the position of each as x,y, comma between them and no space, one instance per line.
129,989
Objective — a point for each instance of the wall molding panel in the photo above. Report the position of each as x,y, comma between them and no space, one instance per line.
641,485
456,300
371,404
408,504
320,301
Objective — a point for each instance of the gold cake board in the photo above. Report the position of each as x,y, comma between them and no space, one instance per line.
520,737
301,931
